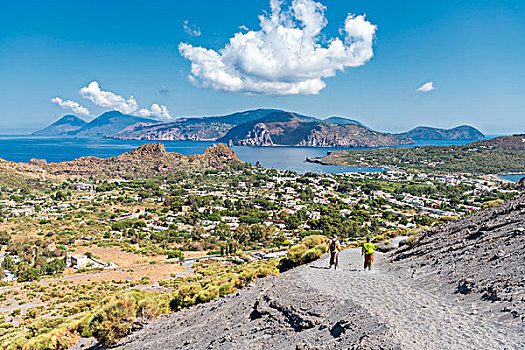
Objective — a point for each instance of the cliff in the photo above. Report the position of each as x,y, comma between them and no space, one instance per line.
285,128
191,129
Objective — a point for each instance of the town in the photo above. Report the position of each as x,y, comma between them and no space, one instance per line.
67,245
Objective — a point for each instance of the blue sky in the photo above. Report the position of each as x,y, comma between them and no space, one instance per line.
472,51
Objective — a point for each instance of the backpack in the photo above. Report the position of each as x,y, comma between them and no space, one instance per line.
332,246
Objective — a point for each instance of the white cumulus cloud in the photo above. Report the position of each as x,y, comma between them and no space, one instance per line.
156,110
72,105
426,87
108,99
191,29
116,102
285,56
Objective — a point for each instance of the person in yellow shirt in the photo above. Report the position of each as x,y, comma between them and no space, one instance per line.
368,252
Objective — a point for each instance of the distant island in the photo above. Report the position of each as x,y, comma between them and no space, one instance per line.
259,127
463,132
63,126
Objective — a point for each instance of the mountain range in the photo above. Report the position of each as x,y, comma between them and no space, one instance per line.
260,127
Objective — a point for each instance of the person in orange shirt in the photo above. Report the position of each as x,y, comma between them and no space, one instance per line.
334,248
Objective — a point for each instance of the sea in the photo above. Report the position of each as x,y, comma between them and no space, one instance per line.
22,148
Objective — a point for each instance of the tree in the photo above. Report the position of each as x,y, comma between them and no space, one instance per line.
292,222
242,234
222,230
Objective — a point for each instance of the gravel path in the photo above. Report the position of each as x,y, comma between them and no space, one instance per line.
419,319
313,307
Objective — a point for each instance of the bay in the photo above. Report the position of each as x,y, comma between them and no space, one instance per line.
512,177
22,148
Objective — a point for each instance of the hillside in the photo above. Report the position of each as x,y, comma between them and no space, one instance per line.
513,142
189,129
505,154
341,121
110,123
64,125
459,288
145,161
478,258
20,175
195,129
463,132
285,128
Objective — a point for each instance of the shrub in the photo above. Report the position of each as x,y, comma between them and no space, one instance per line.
263,271
444,219
322,248
491,204
58,339
296,252
83,327
185,296
312,241
248,275
226,288
311,248
113,320
412,240
207,295
148,309
311,255
14,341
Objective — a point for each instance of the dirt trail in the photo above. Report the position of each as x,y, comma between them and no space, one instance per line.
313,307
419,319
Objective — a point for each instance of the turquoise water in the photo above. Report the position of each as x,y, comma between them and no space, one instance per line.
512,177
21,148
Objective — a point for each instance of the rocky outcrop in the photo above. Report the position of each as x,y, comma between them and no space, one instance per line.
148,160
258,136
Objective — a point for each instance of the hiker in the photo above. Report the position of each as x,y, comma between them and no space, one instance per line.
334,248
368,252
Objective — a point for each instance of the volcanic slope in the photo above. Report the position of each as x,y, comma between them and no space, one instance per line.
406,303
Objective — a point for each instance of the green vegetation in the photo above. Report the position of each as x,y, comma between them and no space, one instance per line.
436,159
148,226
309,249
